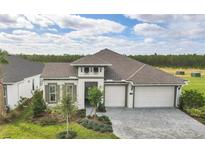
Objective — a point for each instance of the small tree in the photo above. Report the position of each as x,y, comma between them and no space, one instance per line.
95,98
69,109
39,105
3,60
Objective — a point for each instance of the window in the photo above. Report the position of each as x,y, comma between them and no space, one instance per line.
5,94
95,69
81,69
52,93
86,69
33,84
69,90
100,69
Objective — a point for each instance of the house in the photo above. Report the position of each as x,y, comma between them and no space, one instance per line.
124,81
20,78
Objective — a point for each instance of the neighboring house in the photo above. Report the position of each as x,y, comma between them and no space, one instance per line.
20,78
124,81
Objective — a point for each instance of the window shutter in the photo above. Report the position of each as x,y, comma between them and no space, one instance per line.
58,93
75,92
46,94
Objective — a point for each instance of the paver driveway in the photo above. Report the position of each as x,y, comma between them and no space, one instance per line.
154,123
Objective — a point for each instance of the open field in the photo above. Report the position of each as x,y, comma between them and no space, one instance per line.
197,83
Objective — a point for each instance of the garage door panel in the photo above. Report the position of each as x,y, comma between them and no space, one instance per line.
115,96
154,97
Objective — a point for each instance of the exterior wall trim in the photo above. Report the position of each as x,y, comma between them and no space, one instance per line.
142,85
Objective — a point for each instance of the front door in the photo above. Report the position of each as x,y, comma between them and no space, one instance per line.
87,86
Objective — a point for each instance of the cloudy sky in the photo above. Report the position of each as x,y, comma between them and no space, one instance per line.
83,34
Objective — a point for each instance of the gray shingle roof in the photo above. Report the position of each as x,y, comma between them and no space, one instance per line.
121,68
19,68
125,68
58,70
90,60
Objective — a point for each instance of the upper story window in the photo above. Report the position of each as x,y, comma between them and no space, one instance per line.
86,69
95,69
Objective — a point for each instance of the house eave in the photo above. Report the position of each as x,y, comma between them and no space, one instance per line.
91,64
159,84
59,78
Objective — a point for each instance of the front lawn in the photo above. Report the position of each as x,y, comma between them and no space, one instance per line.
21,128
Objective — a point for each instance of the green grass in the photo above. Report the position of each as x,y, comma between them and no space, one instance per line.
20,129
33,131
197,83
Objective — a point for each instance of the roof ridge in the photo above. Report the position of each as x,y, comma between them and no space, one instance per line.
138,70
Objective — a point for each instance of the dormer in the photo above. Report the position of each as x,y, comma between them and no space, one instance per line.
90,66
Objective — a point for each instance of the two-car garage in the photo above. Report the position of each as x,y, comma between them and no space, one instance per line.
143,96
156,96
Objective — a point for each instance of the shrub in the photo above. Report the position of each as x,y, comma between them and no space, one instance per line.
101,108
64,135
22,103
90,124
191,99
81,113
39,105
105,119
196,113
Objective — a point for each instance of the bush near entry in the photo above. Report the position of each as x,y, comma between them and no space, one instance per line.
191,99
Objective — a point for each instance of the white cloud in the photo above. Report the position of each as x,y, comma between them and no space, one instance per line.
148,40
14,21
170,27
39,20
86,25
146,29
161,34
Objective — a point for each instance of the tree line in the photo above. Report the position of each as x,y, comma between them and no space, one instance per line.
188,60
52,58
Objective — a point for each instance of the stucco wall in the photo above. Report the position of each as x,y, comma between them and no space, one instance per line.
80,83
60,83
130,93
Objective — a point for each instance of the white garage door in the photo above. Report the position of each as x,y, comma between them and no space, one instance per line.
154,97
115,96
